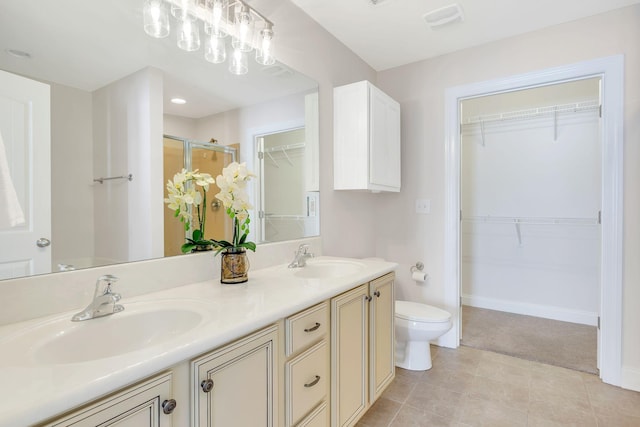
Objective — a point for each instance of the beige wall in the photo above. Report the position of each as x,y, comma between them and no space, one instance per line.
420,88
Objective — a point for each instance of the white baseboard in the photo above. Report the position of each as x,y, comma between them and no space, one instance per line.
630,379
544,311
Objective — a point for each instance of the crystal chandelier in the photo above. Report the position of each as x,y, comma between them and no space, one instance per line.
228,26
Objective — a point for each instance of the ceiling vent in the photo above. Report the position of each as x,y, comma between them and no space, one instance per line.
447,15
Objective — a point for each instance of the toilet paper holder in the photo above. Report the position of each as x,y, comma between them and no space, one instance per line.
418,267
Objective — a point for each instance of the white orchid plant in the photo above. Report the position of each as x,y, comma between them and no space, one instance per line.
187,194
233,195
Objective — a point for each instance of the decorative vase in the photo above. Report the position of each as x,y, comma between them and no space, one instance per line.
234,266
202,248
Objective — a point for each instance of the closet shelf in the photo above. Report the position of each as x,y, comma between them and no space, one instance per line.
278,216
532,220
285,147
530,113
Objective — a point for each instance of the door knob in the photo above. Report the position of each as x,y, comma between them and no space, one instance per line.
207,385
43,243
168,406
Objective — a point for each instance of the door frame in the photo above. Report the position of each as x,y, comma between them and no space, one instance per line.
611,71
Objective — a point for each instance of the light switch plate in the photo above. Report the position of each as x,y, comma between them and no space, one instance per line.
423,206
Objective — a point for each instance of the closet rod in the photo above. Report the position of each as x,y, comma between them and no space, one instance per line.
531,220
277,216
576,107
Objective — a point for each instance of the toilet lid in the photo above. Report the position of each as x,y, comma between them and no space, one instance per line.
420,312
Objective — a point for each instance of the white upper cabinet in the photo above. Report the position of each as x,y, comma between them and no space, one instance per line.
366,139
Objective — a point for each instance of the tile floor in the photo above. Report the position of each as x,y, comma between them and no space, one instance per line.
470,387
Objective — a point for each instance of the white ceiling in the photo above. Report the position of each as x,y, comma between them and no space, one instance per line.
393,32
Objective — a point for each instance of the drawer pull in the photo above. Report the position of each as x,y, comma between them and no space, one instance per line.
207,385
168,406
377,293
314,382
314,328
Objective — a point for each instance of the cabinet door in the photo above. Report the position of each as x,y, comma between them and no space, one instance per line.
381,336
384,146
349,349
138,406
237,384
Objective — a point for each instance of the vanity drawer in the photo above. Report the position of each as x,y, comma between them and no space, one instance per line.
306,382
306,327
318,418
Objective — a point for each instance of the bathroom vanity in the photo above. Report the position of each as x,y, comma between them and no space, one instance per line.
289,347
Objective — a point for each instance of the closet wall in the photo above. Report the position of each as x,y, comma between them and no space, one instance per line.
530,180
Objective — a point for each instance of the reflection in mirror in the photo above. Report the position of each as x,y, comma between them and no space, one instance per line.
287,214
179,153
106,99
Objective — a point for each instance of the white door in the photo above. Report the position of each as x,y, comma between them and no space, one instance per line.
25,132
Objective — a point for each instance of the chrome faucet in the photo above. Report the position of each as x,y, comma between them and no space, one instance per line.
301,257
104,301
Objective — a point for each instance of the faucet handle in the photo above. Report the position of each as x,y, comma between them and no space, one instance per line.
303,248
109,279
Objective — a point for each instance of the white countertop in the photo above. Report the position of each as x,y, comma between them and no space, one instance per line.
32,392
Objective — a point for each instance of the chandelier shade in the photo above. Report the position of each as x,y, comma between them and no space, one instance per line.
231,29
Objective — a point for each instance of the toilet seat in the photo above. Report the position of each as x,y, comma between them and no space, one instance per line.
418,312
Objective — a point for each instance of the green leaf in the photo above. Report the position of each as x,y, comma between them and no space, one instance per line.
187,247
197,235
249,245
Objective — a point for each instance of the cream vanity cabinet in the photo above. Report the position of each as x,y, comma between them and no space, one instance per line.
306,368
366,139
362,348
148,403
237,385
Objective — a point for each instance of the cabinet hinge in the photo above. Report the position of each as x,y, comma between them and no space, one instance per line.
598,322
261,155
599,217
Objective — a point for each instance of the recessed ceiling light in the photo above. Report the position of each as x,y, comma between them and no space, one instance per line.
18,53
178,101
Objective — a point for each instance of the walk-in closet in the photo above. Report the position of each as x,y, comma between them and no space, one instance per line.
530,222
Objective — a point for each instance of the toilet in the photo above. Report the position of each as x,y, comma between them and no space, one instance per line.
415,326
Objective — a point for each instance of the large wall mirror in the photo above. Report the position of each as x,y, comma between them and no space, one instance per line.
85,112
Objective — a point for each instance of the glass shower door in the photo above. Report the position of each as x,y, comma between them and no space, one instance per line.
182,153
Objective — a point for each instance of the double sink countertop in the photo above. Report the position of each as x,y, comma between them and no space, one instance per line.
50,365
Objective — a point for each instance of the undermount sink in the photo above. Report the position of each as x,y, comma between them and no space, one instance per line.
141,325
328,269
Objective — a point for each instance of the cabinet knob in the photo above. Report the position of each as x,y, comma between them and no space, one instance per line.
168,406
377,293
368,298
314,382
314,328
207,385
